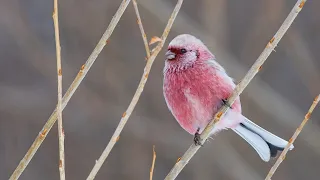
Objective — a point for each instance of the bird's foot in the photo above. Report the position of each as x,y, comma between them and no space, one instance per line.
197,139
226,103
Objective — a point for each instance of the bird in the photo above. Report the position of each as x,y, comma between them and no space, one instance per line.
196,86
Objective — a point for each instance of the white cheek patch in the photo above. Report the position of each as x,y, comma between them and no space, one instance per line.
189,57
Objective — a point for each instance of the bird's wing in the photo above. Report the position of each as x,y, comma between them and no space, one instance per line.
222,71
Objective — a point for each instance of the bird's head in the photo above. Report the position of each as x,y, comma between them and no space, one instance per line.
185,50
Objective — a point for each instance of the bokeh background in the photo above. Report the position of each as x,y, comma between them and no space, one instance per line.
235,31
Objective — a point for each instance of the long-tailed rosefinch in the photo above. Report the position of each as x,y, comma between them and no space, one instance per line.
195,86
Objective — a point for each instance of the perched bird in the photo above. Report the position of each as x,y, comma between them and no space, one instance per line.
195,86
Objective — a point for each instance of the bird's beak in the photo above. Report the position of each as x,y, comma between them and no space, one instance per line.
170,55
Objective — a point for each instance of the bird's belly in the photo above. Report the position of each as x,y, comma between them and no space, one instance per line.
193,107
203,105
194,98
200,110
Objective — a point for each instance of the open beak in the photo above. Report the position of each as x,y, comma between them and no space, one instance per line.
170,55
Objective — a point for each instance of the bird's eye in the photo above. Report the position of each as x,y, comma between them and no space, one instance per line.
183,51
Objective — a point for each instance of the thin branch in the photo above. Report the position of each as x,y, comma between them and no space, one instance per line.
75,84
136,96
238,90
143,34
293,138
145,42
154,156
59,74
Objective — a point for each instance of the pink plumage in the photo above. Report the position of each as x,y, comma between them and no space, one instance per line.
195,85
194,88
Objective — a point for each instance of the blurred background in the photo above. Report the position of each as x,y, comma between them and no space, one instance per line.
235,31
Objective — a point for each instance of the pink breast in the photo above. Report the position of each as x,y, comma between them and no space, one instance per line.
194,96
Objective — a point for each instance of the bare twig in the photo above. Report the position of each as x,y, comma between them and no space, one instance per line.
238,90
59,74
136,96
293,138
154,156
145,42
143,34
75,84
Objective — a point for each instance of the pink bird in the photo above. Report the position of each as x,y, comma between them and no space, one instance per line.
195,86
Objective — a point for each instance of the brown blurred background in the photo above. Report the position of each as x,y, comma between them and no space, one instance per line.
235,31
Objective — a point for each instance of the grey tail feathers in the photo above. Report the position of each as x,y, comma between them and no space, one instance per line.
265,143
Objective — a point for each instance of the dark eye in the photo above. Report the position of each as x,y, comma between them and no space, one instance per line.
182,51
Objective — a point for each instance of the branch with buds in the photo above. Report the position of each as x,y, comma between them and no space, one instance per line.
134,101
293,138
72,88
59,106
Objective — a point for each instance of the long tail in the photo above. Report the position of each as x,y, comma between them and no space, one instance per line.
264,142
